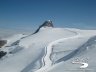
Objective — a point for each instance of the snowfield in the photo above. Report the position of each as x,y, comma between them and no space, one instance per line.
50,50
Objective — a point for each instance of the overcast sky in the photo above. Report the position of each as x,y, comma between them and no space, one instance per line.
29,14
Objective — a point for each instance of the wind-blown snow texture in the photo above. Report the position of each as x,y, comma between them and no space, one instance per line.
49,50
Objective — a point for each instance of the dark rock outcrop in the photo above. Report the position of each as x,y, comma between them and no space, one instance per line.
45,24
2,53
2,43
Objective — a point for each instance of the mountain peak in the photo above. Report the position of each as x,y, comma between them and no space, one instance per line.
47,23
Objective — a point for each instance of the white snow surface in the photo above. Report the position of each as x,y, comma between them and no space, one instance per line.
13,38
46,35
50,39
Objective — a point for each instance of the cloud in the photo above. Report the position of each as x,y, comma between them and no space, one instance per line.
83,26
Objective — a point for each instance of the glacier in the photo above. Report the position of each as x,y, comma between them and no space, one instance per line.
49,50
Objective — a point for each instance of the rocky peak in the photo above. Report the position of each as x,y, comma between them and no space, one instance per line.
47,23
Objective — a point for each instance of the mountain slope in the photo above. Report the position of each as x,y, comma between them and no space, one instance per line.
47,50
32,48
84,53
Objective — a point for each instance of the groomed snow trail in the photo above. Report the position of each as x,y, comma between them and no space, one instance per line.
46,59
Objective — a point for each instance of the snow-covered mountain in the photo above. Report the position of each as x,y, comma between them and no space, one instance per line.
50,49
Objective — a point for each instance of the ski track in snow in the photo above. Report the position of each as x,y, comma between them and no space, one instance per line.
46,59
